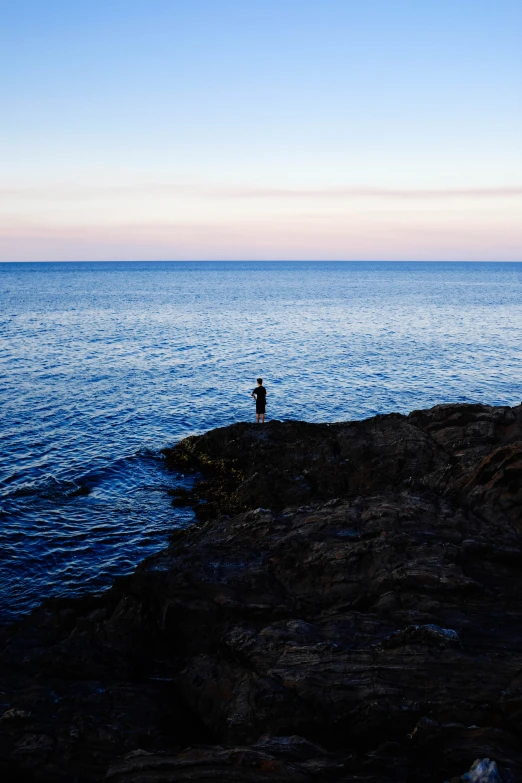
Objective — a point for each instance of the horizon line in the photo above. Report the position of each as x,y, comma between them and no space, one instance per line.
266,261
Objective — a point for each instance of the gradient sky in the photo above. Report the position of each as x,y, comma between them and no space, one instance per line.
241,129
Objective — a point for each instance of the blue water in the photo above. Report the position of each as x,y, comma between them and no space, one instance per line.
104,364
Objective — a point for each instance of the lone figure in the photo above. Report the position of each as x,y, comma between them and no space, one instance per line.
260,396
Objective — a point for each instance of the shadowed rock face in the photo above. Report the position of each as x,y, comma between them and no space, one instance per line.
349,608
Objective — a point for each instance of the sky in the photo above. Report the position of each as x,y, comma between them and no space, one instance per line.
263,130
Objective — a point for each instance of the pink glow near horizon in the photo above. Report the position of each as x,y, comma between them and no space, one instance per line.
162,222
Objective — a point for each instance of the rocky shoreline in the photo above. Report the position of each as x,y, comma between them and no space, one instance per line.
347,608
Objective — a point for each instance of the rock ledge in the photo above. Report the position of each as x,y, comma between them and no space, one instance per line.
347,608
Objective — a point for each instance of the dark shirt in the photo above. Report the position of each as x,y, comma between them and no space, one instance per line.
260,393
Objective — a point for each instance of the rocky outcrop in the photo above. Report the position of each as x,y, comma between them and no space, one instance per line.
347,608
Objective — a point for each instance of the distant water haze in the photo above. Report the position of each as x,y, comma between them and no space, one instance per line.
102,365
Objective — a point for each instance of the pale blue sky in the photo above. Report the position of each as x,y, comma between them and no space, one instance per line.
289,129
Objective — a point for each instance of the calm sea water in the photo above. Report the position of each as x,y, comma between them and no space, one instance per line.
104,364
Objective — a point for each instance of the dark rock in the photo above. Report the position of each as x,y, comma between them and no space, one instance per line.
430,635
348,608
207,764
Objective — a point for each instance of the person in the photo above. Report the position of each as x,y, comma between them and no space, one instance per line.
259,393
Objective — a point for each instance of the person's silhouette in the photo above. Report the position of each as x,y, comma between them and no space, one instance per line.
259,393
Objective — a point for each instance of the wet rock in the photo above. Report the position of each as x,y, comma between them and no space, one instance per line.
430,635
181,497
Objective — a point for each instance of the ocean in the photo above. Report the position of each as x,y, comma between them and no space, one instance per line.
103,364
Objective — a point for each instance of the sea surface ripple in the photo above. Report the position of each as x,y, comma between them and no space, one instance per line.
104,364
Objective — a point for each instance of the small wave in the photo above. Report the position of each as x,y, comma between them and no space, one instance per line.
148,453
129,472
49,488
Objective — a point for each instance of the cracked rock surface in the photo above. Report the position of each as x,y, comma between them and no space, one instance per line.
347,608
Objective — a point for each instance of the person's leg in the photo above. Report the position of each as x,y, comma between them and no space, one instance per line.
257,418
263,418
